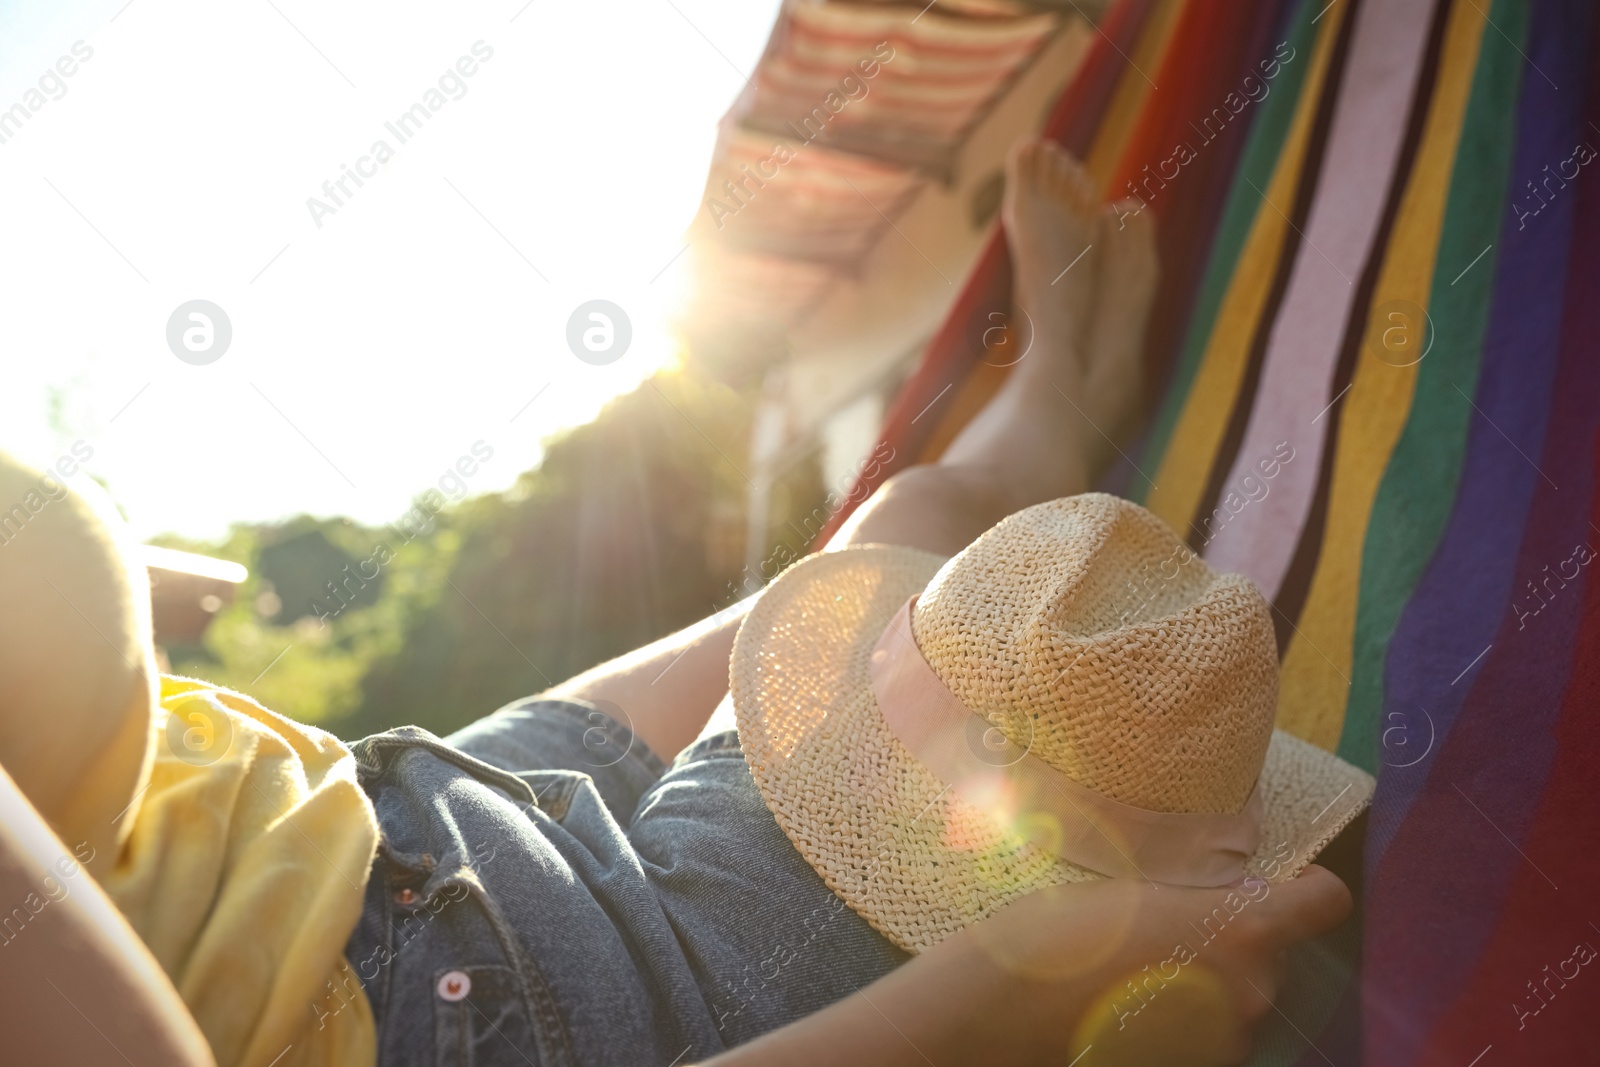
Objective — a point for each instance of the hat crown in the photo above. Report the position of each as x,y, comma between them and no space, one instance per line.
1090,636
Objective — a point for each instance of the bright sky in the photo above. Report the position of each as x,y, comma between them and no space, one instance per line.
367,355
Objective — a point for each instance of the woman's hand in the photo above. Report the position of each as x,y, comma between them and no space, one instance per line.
1114,972
1145,973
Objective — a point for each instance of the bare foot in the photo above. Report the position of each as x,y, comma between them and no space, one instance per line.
1086,276
1113,378
1050,215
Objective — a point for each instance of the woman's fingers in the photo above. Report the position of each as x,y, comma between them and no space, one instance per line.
1248,953
1304,907
1157,974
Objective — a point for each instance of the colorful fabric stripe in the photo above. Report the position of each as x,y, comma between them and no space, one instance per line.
1316,672
1508,790
1364,147
1426,461
1214,61
854,109
1428,546
945,70
1263,242
1445,630
1135,91
1414,498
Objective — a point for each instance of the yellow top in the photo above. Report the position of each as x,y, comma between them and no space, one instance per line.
244,873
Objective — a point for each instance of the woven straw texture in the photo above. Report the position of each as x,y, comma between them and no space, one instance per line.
1082,630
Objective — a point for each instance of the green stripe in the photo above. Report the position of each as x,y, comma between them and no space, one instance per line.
1419,485
1269,128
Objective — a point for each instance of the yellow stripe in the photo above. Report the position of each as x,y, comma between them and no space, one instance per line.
1132,93
1316,671
1181,481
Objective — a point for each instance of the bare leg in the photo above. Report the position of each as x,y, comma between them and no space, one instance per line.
91,957
1086,286
1039,438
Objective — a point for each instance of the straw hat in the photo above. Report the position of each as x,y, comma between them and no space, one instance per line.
1075,695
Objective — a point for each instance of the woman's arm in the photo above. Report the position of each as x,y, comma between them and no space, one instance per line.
1142,974
76,983
667,690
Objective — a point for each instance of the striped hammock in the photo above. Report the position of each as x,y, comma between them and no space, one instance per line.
1380,239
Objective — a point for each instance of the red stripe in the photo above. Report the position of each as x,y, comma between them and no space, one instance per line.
980,75
804,102
1021,47
1541,921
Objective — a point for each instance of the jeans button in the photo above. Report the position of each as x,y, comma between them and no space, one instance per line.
454,986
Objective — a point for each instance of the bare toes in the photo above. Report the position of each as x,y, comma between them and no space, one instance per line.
1084,191
1021,161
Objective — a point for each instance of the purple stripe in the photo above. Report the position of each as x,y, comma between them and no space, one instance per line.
1459,603
1493,745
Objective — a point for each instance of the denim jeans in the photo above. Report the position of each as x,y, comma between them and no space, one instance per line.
546,892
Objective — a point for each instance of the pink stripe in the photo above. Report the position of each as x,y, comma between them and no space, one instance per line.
1104,835
1363,147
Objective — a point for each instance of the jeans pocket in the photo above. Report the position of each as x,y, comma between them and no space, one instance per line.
553,790
478,1019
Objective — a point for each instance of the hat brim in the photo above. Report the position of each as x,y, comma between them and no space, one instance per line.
894,842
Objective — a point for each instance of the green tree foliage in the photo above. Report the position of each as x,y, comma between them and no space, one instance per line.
311,668
631,527
305,566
